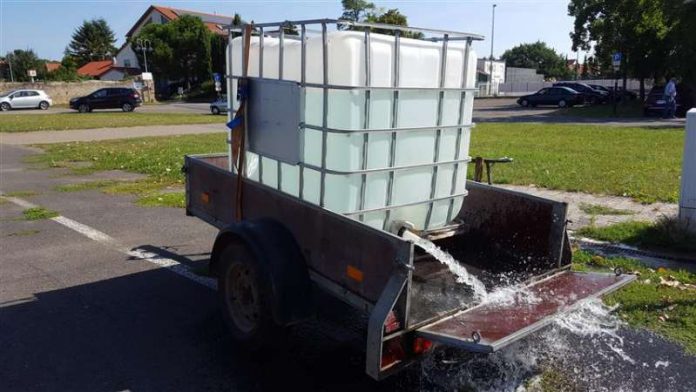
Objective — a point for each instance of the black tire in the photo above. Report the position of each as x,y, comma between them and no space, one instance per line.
84,108
562,103
244,295
44,105
524,103
5,106
127,107
215,110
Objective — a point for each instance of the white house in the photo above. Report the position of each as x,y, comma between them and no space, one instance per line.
125,57
494,74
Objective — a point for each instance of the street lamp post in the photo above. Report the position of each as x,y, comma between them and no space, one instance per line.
144,46
493,30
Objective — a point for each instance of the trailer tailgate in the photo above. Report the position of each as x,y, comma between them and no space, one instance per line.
491,326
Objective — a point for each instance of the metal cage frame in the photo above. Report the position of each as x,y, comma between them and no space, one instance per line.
437,36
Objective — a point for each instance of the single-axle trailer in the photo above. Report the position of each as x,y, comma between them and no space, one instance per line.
276,244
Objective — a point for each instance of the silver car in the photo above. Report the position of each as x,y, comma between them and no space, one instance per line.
25,99
219,105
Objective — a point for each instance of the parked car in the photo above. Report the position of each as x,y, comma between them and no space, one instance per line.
219,105
589,94
126,99
626,95
655,101
558,96
25,99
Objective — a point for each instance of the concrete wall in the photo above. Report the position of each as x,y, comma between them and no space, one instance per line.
61,92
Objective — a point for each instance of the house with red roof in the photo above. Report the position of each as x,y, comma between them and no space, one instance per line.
106,70
126,57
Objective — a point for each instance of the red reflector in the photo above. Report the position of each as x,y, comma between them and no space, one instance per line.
392,353
421,345
391,324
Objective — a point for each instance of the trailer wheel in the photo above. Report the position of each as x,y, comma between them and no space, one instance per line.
244,295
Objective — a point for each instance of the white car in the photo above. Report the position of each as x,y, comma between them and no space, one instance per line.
25,99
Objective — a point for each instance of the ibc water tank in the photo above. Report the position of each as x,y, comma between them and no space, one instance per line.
371,191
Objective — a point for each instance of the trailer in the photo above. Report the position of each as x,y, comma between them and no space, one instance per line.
276,246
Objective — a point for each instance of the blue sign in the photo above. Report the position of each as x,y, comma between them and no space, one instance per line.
217,77
616,58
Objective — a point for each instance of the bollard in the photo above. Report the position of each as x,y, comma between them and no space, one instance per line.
687,198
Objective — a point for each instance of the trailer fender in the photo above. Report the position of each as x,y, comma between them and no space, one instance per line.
281,260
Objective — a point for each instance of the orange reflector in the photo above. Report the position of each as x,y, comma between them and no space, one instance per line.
421,345
354,273
392,353
205,197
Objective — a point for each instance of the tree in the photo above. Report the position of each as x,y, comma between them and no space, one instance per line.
537,56
585,74
23,60
67,72
392,17
638,29
93,40
356,10
181,49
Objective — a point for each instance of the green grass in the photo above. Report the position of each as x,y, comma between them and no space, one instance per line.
665,234
598,209
646,303
641,163
160,158
38,213
65,121
21,194
630,109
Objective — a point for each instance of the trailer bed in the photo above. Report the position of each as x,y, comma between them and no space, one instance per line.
498,325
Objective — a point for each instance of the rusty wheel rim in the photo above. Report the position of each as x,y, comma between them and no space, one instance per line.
242,297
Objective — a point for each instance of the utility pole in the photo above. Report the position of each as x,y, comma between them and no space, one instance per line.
144,46
9,62
493,30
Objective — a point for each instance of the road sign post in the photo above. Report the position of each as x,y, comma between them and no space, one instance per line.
616,63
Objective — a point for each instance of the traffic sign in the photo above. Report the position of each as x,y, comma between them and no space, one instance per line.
218,86
616,61
217,77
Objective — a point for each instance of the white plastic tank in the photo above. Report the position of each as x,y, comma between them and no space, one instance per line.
419,67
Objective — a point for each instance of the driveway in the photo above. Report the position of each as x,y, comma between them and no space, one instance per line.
110,296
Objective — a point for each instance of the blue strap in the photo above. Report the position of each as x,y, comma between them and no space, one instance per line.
237,121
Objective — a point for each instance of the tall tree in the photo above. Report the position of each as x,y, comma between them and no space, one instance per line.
93,40
356,10
181,49
537,56
22,61
392,17
637,28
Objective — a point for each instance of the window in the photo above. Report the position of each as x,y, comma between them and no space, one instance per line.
543,91
126,63
31,94
99,94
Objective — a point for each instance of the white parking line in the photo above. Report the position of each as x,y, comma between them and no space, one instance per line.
110,242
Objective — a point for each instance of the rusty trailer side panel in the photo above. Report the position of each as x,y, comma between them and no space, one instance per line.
358,258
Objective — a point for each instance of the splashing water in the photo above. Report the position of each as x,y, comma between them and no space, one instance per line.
586,348
463,276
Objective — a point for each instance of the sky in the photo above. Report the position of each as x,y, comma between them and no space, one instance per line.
47,25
